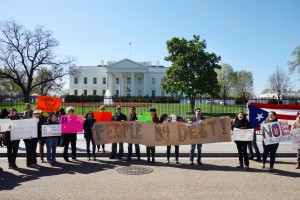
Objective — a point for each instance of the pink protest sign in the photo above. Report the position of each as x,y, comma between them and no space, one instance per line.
71,124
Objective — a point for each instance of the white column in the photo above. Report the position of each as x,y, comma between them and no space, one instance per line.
120,84
132,85
145,84
110,84
107,77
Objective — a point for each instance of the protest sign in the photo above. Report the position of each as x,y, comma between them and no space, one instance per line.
145,117
275,132
51,130
296,138
242,134
48,104
4,124
23,129
71,124
102,116
217,129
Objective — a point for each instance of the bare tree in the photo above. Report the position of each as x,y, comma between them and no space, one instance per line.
295,64
279,82
23,53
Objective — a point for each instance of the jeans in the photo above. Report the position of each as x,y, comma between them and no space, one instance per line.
192,152
137,150
88,143
242,149
176,152
51,144
12,151
70,138
272,148
114,147
41,148
31,145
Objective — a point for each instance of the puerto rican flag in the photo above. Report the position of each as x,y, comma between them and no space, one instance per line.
258,113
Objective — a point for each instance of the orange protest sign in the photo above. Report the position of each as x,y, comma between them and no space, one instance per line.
48,104
102,116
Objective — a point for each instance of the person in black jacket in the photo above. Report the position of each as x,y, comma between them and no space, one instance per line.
41,140
12,146
3,115
198,118
241,122
31,144
117,117
133,117
88,127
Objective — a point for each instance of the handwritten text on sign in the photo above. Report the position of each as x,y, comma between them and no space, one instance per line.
217,129
48,104
23,129
51,130
71,124
275,132
242,134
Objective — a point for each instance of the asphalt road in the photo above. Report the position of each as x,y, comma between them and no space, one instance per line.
218,178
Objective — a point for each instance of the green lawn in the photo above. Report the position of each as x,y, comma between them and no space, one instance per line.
181,109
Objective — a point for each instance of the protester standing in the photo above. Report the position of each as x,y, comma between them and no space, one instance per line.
88,127
101,109
119,116
241,122
31,145
51,142
61,111
295,125
41,140
3,115
28,111
151,149
271,148
12,146
70,138
132,117
197,118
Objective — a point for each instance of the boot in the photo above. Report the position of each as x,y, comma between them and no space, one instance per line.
298,165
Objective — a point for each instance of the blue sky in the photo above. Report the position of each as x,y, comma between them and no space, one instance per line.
252,35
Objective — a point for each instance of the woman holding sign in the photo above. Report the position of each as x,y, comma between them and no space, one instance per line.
241,122
70,138
51,142
271,148
296,125
87,127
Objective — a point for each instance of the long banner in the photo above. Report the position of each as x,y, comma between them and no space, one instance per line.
276,132
242,134
217,129
23,129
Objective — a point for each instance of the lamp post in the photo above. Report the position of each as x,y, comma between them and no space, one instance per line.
224,90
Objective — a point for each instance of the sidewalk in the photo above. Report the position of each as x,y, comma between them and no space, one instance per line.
223,149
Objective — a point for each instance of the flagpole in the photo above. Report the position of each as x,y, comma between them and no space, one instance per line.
129,50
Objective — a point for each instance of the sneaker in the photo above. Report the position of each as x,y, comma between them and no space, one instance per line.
177,162
199,162
168,162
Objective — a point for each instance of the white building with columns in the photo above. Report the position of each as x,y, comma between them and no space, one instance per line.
122,78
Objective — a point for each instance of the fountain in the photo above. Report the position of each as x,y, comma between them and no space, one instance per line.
107,98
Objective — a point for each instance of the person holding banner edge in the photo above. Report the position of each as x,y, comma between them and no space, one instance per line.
296,125
197,118
119,116
88,127
241,122
132,117
271,148
152,148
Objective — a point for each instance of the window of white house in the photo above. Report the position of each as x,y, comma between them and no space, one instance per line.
117,93
94,92
139,92
128,81
104,80
103,92
75,80
139,81
153,81
85,92
85,80
117,81
75,92
94,80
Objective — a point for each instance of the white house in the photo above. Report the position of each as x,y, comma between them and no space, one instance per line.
122,78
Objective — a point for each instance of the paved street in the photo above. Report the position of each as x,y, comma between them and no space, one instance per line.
216,179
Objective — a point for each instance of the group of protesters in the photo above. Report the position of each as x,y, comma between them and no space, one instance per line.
240,121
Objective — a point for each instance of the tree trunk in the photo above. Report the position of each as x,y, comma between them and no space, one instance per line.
192,102
26,97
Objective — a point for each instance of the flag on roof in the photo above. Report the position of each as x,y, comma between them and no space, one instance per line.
258,112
